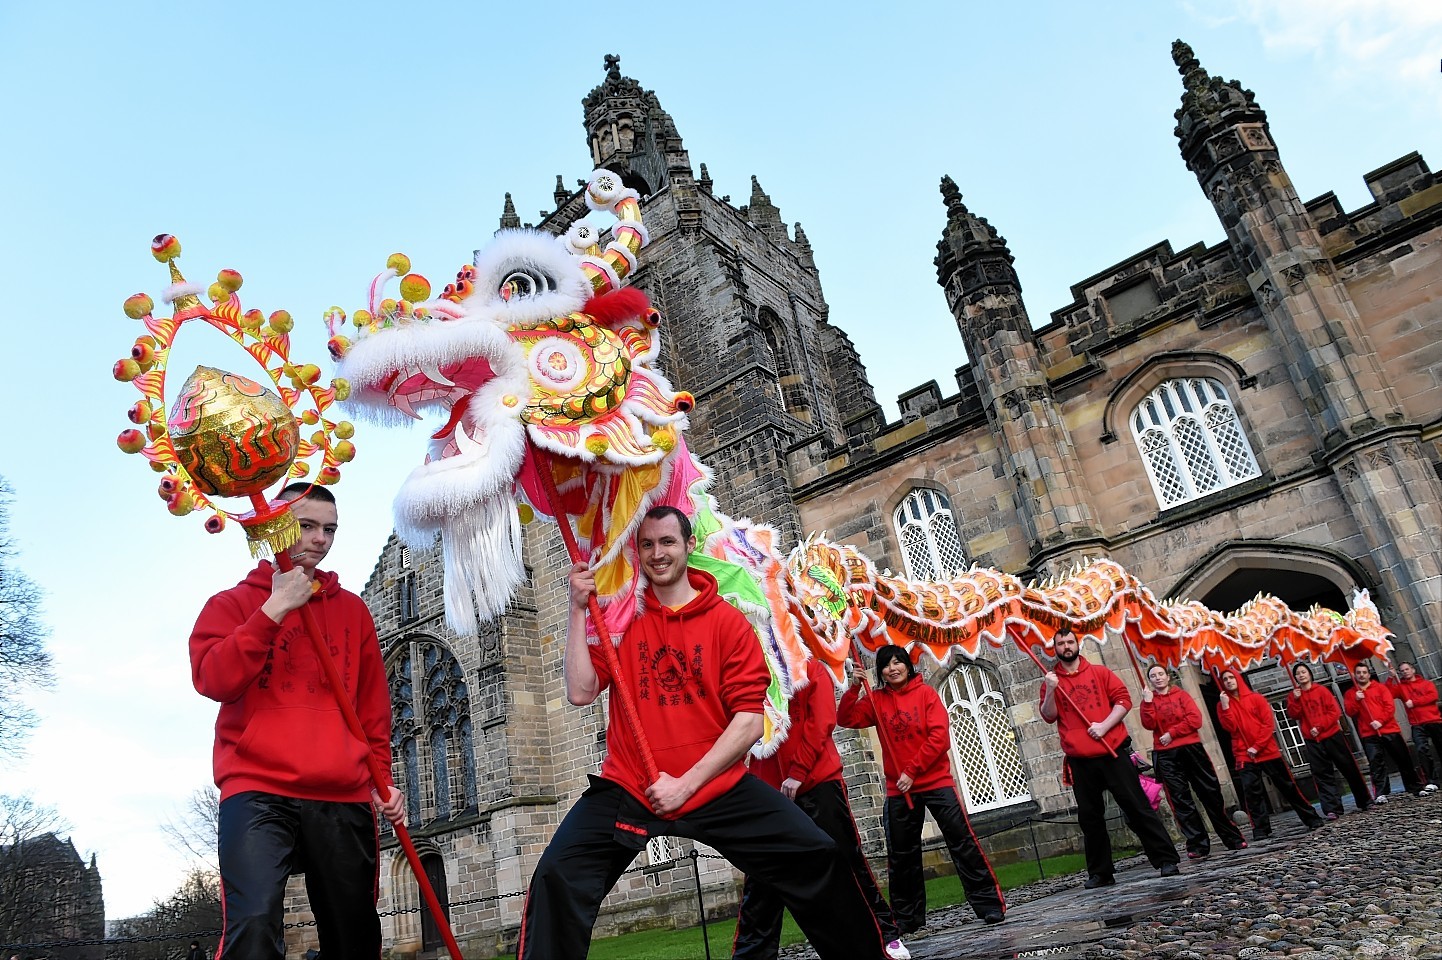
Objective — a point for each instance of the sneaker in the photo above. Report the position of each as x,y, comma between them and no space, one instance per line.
1331,815
1430,788
896,950
993,918
1170,870
1098,880
1198,854
1261,835
1240,846
1380,798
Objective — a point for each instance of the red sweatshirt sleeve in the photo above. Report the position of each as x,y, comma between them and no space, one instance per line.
933,748
373,696
1190,720
1230,716
1422,694
1148,715
744,677
1353,706
1294,706
228,647
812,720
855,711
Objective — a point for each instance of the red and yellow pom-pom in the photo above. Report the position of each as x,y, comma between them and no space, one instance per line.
344,430
125,370
415,287
169,486
165,248
281,321
140,412
399,262
215,523
362,318
138,305
143,352
685,401
251,320
217,293
597,445
344,451
340,386
229,280
525,513
131,441
338,346
328,476
309,417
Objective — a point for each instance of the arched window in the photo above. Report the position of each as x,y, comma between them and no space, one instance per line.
930,547
1191,440
983,740
1289,734
431,730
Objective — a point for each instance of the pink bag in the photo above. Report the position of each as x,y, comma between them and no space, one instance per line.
1152,789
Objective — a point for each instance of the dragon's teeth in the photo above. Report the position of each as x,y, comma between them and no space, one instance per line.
433,371
403,404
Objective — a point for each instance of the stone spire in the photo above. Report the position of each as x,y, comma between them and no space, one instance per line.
1209,104
803,245
704,183
765,214
971,254
509,220
560,195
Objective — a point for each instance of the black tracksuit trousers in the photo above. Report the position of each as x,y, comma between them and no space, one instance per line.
1381,747
903,856
1190,779
1092,779
758,924
1254,794
752,825
1328,758
263,839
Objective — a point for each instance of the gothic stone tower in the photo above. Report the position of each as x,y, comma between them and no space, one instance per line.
1371,443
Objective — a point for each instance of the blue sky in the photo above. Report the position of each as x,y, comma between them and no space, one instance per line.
302,143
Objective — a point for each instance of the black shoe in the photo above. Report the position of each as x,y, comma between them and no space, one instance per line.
1265,835
1170,869
1315,825
1099,880
994,917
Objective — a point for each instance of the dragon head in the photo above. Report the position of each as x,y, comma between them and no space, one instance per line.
535,344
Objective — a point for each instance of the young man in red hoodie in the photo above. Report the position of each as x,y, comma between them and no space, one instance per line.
1419,696
1095,771
694,668
1316,712
1247,716
1176,723
1370,705
806,768
295,792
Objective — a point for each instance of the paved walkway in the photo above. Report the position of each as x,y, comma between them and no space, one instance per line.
1367,885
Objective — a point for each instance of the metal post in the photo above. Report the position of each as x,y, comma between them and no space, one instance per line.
700,902
1036,854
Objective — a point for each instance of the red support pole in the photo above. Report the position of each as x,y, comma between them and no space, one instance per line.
603,635
1060,689
380,778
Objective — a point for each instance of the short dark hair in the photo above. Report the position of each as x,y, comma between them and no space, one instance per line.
666,510
1302,666
301,488
891,652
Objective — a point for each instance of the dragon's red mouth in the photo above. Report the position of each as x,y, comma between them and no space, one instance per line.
447,386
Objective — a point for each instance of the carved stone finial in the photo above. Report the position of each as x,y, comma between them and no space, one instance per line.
951,195
508,215
613,66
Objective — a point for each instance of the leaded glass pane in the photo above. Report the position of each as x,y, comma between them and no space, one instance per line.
1231,442
983,740
1193,445
926,528
1165,476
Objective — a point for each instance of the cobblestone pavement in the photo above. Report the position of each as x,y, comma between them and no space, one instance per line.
1367,885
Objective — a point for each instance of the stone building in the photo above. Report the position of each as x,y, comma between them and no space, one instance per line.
49,893
1261,414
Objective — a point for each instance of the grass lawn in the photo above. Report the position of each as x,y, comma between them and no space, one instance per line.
687,944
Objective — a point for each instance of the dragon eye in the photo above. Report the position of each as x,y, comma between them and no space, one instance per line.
519,284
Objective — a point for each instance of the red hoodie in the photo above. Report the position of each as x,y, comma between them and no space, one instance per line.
1423,694
1316,707
279,729
916,737
1095,690
808,754
1248,718
1173,712
1377,706
690,671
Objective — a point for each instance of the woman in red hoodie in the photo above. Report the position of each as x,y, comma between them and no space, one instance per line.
918,778
1419,696
1176,722
1247,716
1316,712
